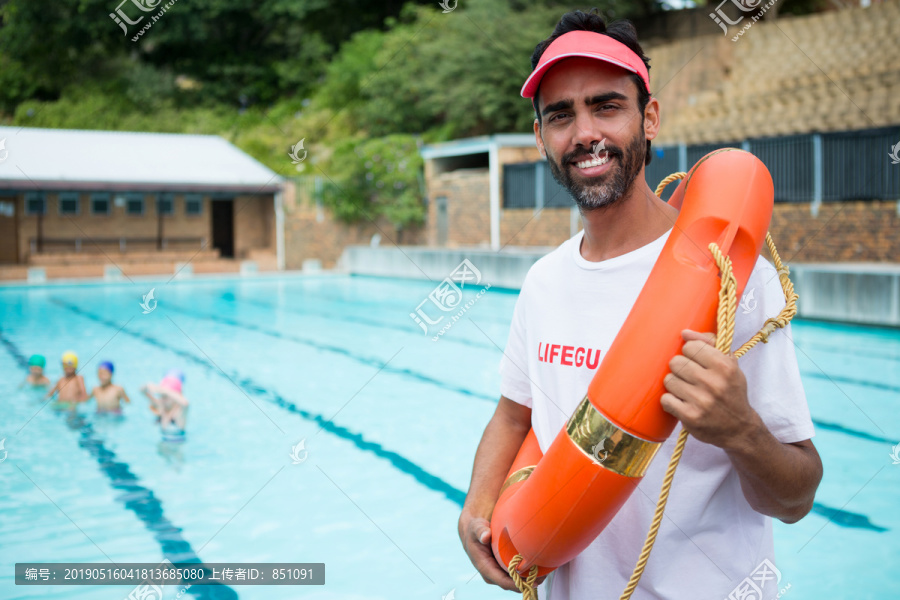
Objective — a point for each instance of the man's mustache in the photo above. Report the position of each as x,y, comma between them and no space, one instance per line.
612,151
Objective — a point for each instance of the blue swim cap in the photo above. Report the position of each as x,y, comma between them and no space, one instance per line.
106,365
176,373
37,360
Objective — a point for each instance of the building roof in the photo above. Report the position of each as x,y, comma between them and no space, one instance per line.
477,145
68,159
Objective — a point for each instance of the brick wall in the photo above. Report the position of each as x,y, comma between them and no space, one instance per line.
254,224
312,233
180,224
525,227
842,232
468,209
512,154
116,224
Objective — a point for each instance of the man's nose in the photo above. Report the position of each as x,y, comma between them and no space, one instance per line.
585,131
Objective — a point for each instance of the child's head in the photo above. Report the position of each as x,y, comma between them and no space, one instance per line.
171,383
104,372
69,362
36,364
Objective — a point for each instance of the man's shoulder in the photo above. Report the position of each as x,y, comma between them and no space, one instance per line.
764,278
546,268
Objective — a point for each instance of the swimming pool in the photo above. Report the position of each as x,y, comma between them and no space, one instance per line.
389,419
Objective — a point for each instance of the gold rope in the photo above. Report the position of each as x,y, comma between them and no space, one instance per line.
725,317
673,177
526,585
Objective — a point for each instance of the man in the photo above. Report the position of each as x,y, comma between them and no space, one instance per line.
750,456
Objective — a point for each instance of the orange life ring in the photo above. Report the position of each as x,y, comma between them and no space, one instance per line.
553,505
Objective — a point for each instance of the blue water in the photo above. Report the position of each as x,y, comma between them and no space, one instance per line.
389,419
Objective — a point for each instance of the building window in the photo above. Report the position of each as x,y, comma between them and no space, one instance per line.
68,203
134,204
35,203
100,204
193,204
165,204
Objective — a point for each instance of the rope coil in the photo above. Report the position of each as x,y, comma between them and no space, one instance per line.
525,585
725,320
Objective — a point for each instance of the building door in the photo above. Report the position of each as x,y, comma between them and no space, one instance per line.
223,227
441,220
9,238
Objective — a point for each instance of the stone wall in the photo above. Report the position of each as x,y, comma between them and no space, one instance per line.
310,232
842,232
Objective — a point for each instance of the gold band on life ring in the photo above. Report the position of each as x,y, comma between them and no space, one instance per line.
520,475
609,446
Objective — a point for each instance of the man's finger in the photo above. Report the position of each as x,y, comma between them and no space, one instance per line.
484,536
677,408
689,334
702,353
678,387
491,571
684,368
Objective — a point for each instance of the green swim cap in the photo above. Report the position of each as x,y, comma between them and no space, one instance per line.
37,360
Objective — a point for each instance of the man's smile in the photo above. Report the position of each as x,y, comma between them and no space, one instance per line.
592,165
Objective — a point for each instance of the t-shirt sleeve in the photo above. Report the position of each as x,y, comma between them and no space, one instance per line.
774,387
514,381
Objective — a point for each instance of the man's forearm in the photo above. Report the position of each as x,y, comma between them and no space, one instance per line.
778,479
499,445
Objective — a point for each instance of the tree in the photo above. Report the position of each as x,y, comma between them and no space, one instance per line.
376,177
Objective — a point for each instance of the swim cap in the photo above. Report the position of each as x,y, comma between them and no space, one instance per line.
106,365
171,383
176,373
37,360
70,358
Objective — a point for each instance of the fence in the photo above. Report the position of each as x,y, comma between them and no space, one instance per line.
818,167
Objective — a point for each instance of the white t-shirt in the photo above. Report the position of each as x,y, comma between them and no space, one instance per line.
710,539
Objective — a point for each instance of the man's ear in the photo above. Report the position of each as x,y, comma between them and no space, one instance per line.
537,139
651,119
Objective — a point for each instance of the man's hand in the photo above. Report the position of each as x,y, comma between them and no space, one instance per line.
707,392
475,534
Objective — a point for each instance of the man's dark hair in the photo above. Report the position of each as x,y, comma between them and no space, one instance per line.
621,31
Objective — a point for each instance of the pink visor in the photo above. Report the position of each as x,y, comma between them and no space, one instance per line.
589,45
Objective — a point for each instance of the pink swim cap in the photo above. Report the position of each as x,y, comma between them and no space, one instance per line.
171,383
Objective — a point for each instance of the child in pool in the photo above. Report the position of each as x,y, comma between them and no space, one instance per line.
36,377
177,374
108,394
170,405
69,390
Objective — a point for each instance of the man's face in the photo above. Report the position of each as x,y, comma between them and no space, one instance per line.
587,104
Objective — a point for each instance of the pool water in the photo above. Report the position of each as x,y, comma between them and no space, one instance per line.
389,421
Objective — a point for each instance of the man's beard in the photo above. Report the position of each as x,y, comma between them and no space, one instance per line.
609,188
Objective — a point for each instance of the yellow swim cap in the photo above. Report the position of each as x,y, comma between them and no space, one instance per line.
70,358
